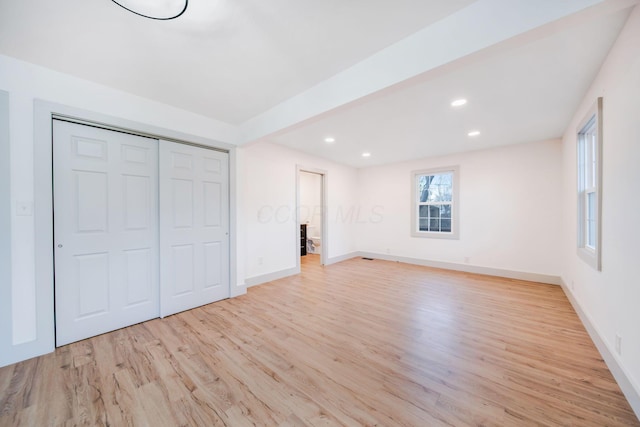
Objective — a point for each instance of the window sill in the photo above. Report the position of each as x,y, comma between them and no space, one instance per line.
591,257
434,235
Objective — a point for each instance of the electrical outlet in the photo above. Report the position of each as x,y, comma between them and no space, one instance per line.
260,260
619,344
388,251
467,260
573,285
24,208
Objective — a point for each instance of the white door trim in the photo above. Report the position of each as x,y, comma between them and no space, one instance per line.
44,111
325,241
6,332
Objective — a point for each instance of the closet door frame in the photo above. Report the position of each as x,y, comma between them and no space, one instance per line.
44,112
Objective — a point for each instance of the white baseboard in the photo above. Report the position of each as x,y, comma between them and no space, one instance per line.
238,290
340,258
270,277
630,390
511,274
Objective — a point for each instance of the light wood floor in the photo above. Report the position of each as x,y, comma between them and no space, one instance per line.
356,343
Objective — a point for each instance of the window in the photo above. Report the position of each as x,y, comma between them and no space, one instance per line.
435,206
589,143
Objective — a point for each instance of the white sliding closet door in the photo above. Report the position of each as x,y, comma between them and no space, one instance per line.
106,230
194,226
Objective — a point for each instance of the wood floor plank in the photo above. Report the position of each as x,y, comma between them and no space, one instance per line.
359,343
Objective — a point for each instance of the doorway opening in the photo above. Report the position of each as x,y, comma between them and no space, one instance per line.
312,224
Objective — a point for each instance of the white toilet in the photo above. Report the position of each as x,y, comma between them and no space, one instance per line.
313,240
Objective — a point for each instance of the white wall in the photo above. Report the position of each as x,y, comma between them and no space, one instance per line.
26,82
5,222
511,200
269,203
509,210
611,298
311,202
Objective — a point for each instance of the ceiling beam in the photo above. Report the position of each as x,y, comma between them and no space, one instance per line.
481,25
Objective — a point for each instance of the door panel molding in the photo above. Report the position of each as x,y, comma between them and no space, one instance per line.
194,236
105,230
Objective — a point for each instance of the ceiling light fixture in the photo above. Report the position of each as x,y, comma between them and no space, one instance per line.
158,10
329,140
366,154
458,102
474,133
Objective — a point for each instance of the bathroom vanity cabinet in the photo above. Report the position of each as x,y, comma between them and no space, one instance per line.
303,239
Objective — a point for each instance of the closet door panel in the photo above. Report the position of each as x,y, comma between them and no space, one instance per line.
105,230
194,226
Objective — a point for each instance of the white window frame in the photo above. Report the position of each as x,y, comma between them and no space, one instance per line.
455,205
589,180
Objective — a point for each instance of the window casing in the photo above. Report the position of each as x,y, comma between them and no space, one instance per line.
589,167
435,203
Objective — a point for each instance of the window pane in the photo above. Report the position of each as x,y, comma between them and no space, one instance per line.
424,182
587,160
423,218
445,225
591,219
435,188
591,240
588,155
592,171
581,163
445,211
441,187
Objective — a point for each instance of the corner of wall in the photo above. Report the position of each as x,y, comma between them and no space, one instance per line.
622,377
606,300
270,277
5,232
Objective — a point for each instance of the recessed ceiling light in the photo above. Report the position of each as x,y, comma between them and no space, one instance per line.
458,102
474,133
329,140
366,154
